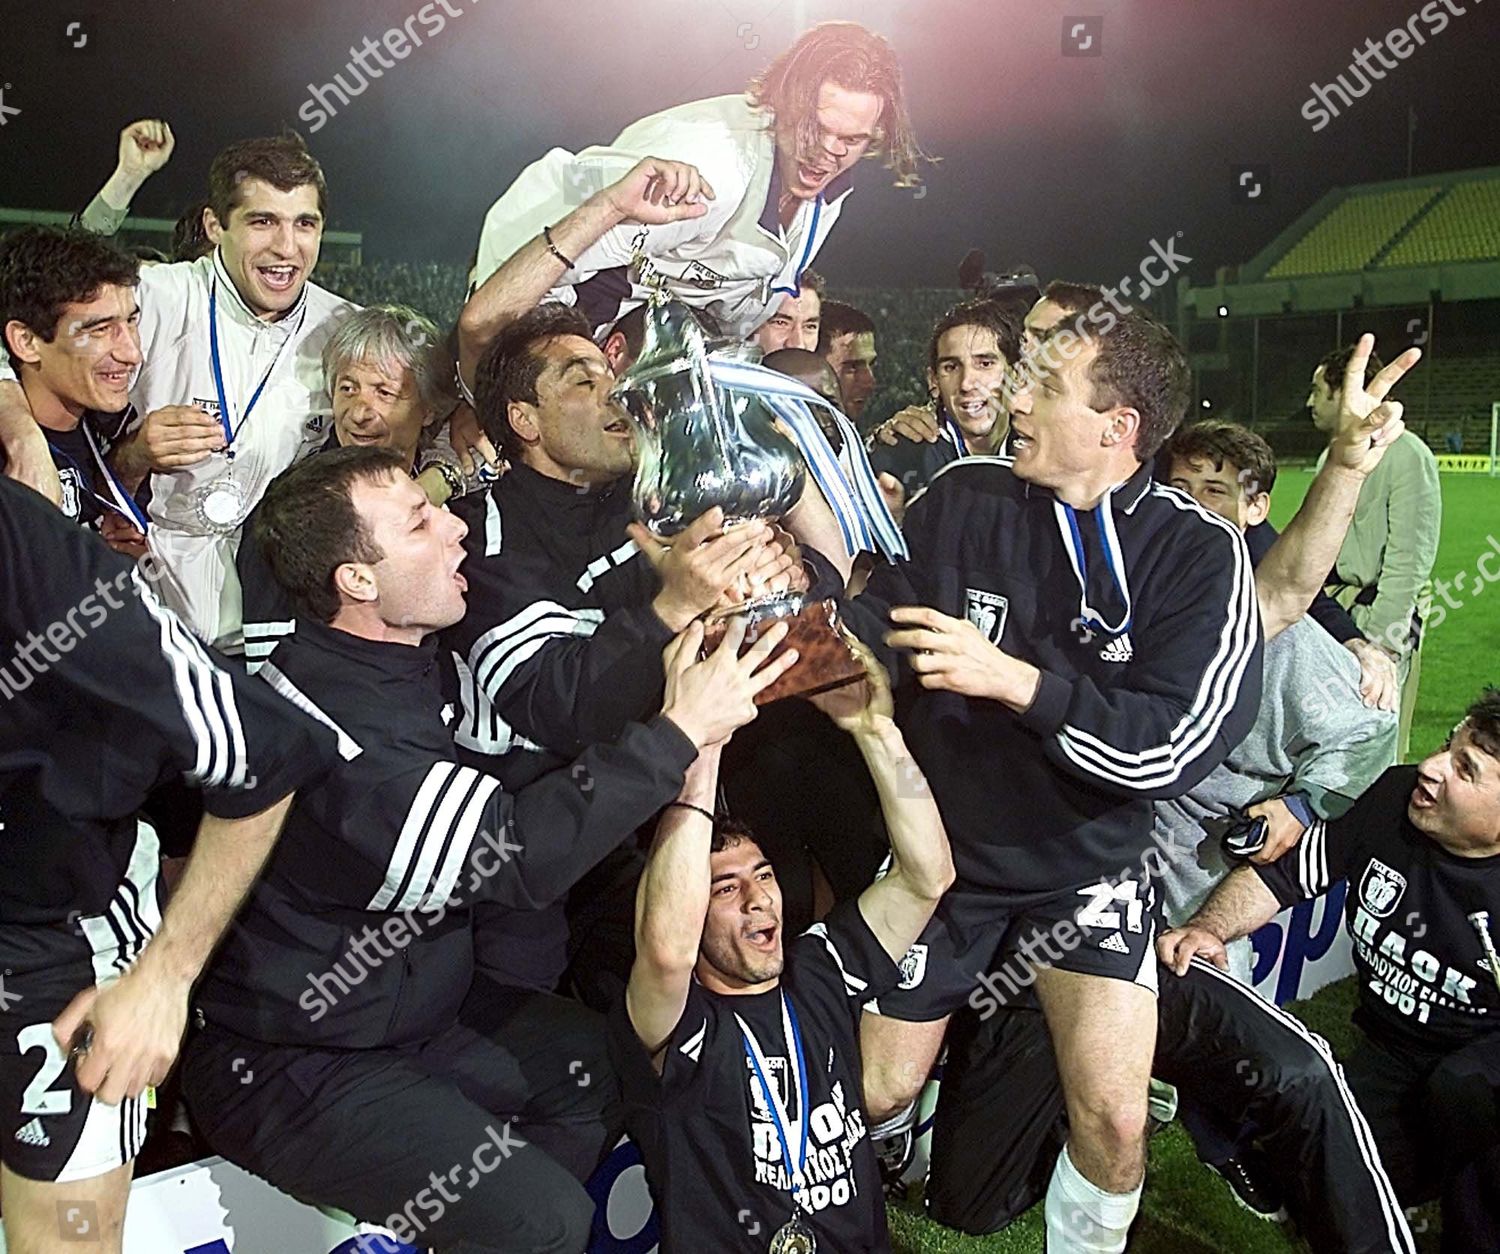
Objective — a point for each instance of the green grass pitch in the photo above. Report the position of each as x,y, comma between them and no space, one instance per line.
1186,1209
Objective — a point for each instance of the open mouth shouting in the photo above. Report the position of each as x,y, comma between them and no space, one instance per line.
976,408
278,278
763,938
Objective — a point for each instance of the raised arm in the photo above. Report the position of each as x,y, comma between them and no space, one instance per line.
670,906
655,191
899,904
672,899
1297,565
145,147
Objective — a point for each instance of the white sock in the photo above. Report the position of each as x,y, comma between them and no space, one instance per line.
1081,1217
899,1122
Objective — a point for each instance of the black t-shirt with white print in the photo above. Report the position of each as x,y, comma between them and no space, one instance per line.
713,1157
1424,977
83,493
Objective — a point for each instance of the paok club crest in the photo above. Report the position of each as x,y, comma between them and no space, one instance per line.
987,611
1381,888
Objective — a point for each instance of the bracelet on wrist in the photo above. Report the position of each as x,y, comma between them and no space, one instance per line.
688,805
555,250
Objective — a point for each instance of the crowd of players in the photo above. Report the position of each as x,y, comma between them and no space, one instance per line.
468,810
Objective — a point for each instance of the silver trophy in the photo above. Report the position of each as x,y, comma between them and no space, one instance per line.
700,444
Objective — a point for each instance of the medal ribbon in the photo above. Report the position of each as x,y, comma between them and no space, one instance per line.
213,349
792,1034
807,247
955,433
1114,559
849,485
123,502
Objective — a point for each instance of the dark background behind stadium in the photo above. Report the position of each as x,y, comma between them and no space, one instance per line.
1071,163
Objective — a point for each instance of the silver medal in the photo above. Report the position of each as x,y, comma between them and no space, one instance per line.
794,1237
220,505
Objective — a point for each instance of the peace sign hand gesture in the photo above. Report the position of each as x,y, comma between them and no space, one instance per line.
1367,423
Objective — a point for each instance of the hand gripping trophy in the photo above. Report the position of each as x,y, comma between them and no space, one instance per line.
717,432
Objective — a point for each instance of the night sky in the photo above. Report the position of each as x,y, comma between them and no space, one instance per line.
1071,163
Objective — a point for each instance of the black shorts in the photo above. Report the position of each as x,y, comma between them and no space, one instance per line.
50,1129
984,950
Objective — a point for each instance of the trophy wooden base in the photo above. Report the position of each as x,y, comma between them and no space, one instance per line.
824,659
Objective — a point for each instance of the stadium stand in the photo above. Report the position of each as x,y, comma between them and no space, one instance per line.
1416,261
1463,226
1356,231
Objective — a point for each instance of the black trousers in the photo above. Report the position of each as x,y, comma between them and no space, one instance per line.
476,1141
1437,1119
1221,1045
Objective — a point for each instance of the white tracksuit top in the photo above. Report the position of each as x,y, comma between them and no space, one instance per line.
726,262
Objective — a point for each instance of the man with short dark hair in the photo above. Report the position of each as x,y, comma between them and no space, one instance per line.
349,988
1419,850
1388,555
231,390
773,166
797,319
106,694
1128,685
391,380
807,367
973,348
69,318
846,337
781,1145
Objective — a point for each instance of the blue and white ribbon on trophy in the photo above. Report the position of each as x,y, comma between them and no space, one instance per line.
847,481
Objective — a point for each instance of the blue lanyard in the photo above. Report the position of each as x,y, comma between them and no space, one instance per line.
752,1049
812,238
218,369
123,503
1086,613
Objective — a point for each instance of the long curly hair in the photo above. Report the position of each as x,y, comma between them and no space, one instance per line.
856,59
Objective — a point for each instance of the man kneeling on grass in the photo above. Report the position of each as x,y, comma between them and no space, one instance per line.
1421,852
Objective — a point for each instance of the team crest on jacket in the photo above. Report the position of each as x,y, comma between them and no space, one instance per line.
913,966
1381,888
987,611
698,275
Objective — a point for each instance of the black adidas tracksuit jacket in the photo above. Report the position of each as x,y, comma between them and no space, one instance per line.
560,647
104,694
1061,795
401,828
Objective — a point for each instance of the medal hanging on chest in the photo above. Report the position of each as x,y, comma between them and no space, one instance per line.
796,1235
221,504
